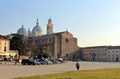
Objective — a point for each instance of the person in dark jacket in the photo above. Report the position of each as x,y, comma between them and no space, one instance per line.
5,59
77,66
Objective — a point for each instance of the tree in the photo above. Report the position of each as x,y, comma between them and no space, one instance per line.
17,42
41,53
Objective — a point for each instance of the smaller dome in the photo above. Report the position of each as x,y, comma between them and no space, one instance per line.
22,31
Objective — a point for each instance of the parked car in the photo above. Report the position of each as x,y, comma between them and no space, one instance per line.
60,60
56,61
48,61
28,62
42,61
45,61
37,62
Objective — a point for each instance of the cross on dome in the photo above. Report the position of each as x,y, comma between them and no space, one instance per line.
37,23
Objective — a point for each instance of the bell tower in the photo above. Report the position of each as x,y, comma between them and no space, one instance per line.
49,26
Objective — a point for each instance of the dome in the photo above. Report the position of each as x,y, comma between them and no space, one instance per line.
22,31
37,31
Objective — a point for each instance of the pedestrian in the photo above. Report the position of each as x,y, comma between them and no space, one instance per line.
77,66
5,59
15,61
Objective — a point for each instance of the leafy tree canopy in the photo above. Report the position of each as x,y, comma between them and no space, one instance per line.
17,42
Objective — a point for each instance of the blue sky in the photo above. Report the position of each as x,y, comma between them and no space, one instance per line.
93,22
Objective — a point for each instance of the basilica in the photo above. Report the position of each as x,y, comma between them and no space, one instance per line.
60,44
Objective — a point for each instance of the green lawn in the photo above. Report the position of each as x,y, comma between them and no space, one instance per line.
83,74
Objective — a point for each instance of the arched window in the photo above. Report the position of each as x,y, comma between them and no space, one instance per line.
49,40
67,55
5,48
66,40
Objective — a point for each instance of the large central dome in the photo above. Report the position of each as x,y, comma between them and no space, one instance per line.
37,31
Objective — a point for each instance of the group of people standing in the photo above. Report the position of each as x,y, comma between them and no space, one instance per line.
5,60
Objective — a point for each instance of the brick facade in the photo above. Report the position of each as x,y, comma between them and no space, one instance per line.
57,45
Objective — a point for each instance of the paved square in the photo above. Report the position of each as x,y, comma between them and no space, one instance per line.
10,71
